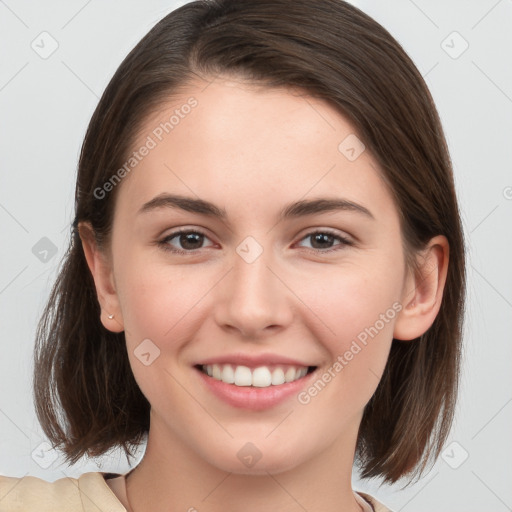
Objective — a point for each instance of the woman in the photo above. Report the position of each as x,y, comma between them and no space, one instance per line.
266,272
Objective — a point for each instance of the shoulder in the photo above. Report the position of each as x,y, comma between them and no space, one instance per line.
87,493
377,506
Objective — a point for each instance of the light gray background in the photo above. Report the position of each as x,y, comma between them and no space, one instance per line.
45,108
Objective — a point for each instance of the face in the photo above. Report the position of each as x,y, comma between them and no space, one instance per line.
232,255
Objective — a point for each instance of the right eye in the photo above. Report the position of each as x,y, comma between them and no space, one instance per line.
183,241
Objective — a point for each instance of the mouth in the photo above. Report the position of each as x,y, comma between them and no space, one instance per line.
256,382
258,377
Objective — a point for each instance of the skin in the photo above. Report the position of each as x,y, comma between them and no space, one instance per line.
252,150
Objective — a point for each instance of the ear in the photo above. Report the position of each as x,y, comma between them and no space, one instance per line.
423,292
101,269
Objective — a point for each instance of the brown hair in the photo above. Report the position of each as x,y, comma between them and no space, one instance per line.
86,397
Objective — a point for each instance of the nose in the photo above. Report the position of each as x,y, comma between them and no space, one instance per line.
253,298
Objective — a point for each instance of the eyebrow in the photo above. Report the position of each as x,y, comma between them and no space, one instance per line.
298,209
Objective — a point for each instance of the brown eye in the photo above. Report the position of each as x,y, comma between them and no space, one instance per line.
191,240
321,240
324,241
184,241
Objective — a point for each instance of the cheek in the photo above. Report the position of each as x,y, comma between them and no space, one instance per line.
347,300
354,317
160,306
154,300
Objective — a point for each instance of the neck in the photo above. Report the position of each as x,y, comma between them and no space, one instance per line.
173,477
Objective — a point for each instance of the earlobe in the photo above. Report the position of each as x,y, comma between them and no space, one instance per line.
423,292
101,270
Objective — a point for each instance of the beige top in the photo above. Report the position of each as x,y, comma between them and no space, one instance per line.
91,492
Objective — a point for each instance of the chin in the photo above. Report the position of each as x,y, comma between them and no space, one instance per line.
247,459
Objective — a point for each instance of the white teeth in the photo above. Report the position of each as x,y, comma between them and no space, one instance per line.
277,377
261,377
289,375
217,372
228,374
243,376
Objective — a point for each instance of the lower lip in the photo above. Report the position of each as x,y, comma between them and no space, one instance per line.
254,398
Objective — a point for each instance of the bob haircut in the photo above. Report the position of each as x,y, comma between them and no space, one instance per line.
86,397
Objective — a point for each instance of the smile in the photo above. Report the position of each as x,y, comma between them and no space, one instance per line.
259,388
260,377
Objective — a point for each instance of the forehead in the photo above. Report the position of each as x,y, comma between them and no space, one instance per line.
230,140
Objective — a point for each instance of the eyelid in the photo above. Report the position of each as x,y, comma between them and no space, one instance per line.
344,239
330,231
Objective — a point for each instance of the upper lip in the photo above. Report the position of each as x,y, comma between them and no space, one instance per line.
253,360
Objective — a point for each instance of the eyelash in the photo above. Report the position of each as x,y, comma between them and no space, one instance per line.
164,244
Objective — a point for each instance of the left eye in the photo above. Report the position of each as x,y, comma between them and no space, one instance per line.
323,240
